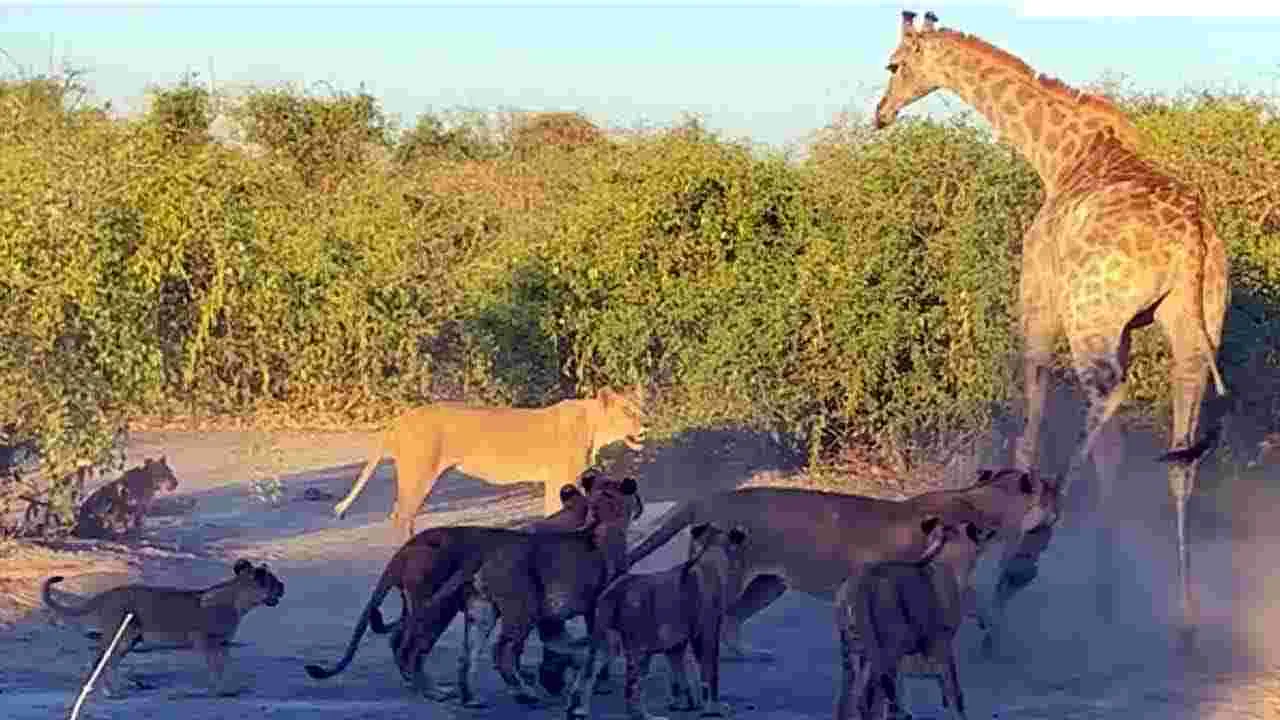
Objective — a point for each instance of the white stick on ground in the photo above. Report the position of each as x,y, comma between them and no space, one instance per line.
84,692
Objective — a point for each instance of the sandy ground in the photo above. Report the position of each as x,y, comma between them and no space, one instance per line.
1062,663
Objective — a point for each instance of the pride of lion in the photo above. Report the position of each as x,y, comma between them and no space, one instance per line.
900,574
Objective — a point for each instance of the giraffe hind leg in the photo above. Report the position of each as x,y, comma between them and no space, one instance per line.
1188,372
1102,361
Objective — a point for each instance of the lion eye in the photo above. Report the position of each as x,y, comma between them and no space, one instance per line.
891,67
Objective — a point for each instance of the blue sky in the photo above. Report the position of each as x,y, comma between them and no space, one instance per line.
774,74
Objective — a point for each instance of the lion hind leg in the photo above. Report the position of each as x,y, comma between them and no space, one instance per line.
516,628
111,676
637,664
375,459
682,696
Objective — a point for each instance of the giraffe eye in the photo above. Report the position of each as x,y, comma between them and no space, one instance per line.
891,67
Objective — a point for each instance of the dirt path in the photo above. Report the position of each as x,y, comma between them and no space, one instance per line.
1063,665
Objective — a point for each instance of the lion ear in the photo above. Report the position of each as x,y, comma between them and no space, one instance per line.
588,478
629,486
697,530
241,565
568,492
929,524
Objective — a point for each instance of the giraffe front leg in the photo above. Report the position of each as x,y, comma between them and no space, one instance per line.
1039,324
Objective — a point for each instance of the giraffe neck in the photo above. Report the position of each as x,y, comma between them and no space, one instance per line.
1048,123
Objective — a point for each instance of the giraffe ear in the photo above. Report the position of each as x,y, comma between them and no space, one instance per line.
908,23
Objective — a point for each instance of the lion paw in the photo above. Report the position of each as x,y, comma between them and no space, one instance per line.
719,710
603,687
140,684
745,654
439,694
527,699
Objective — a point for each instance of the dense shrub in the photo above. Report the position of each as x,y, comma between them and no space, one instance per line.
861,296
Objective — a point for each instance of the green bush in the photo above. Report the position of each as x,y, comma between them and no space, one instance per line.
860,297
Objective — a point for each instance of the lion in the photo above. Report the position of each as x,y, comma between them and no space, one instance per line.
572,515
551,445
666,612
206,618
810,540
543,578
116,510
897,615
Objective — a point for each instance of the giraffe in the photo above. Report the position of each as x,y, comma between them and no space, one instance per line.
1118,244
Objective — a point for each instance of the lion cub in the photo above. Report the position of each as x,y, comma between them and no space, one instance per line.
644,614
116,510
205,618
895,611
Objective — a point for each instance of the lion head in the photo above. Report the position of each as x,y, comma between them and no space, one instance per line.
611,506
251,586
1031,498
620,417
160,474
609,501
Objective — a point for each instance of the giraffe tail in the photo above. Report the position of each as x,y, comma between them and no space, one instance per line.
1195,452
1198,299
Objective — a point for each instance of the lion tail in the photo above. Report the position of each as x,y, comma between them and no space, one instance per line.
676,519
66,610
385,583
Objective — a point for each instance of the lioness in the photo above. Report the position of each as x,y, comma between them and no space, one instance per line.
643,614
551,445
205,618
532,577
895,611
117,509
810,540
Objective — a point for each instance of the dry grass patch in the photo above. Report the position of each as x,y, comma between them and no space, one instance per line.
24,565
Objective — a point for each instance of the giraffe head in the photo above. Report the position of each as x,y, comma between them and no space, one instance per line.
910,69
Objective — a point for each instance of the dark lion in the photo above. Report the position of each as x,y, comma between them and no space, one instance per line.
543,578
666,612
116,510
895,611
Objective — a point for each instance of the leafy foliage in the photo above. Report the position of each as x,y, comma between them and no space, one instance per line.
863,296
